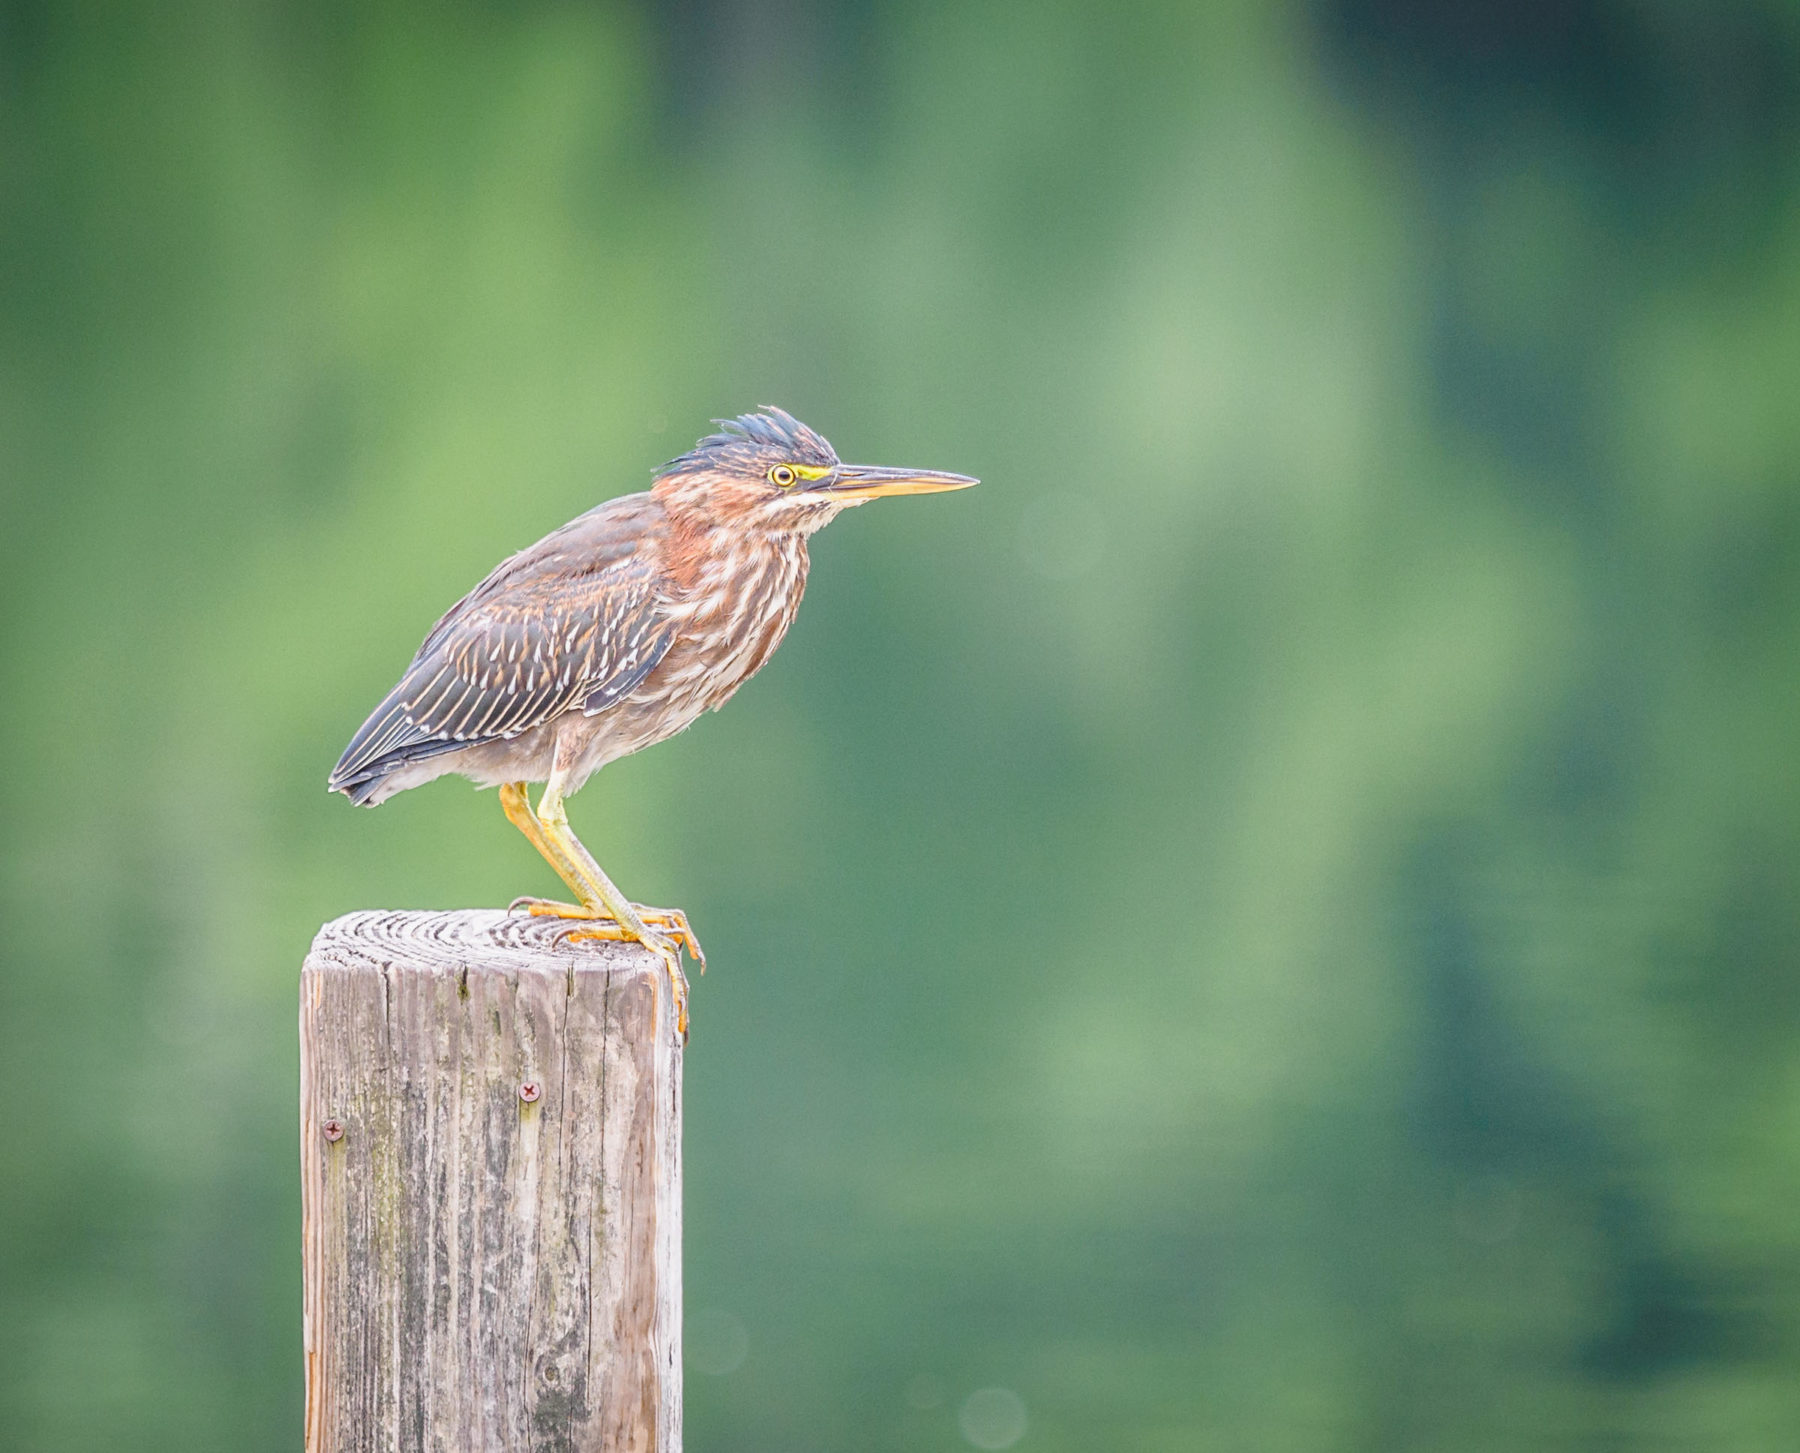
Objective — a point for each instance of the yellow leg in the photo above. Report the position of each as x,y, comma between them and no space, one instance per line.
517,807
547,829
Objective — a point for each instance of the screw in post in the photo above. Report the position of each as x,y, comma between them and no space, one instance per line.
529,1091
334,1130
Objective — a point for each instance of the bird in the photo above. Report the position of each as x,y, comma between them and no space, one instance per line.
614,633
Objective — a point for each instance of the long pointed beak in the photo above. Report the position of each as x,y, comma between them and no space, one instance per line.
869,481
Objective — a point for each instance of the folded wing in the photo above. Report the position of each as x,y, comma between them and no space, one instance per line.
571,622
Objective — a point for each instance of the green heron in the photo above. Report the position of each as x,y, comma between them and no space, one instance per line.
612,633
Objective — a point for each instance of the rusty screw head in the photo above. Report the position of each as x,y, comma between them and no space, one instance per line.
334,1130
529,1091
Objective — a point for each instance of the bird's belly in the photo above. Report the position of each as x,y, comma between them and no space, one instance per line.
697,675
629,727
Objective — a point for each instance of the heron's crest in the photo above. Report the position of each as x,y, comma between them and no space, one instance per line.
750,443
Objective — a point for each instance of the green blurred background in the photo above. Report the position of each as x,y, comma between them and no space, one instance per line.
1272,924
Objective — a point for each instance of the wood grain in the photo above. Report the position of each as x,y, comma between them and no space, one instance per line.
484,1271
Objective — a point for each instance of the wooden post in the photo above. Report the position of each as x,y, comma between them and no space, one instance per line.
490,1151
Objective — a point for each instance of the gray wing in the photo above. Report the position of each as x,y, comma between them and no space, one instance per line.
572,621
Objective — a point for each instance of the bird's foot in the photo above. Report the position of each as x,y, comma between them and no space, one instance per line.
671,920
605,928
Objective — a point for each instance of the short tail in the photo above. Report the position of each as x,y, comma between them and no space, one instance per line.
362,790
387,741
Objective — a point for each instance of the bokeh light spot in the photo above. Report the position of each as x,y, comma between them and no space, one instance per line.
993,1418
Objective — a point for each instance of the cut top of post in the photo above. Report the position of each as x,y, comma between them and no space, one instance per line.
456,939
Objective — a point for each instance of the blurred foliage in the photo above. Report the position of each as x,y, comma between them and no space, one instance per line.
1272,924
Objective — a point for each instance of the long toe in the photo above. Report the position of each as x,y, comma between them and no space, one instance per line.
669,951
601,932
550,908
678,986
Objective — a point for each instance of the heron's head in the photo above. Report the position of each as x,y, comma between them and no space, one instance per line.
768,471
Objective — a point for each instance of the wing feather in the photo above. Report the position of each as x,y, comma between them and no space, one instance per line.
573,622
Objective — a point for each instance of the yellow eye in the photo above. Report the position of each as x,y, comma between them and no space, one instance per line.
782,476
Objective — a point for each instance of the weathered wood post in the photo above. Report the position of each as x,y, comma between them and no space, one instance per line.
490,1133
